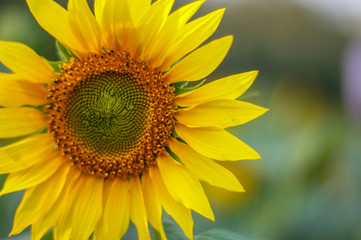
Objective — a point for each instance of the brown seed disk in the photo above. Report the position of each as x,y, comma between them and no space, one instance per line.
110,114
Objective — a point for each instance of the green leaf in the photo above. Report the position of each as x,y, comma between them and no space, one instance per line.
172,230
221,234
180,87
172,154
55,65
171,66
64,53
179,84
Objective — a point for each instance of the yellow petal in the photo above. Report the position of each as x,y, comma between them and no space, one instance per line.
177,210
152,23
152,204
63,227
192,36
184,13
122,23
55,20
63,224
16,122
183,187
25,153
138,8
32,176
219,113
163,42
23,61
115,220
84,25
138,213
200,63
205,168
39,200
9,77
104,13
88,207
216,143
16,93
40,227
148,27
230,87
99,6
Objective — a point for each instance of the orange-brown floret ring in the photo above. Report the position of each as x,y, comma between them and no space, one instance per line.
110,114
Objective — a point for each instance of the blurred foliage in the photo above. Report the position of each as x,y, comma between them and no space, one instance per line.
307,184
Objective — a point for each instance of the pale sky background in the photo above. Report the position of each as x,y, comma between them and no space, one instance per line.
346,9
337,8
345,15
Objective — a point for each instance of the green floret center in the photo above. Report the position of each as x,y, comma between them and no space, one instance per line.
107,113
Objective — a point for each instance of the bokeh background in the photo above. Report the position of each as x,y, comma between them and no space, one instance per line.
308,52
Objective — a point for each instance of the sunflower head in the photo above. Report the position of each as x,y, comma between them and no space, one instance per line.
111,114
113,134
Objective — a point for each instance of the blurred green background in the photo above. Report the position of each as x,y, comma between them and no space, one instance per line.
307,185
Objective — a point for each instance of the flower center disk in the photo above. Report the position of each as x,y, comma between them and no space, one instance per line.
111,115
107,113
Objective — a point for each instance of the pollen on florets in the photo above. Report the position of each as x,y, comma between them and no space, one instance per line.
111,114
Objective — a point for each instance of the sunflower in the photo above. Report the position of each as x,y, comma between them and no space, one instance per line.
113,134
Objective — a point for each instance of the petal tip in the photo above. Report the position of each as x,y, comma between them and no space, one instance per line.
256,156
240,188
255,72
229,39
